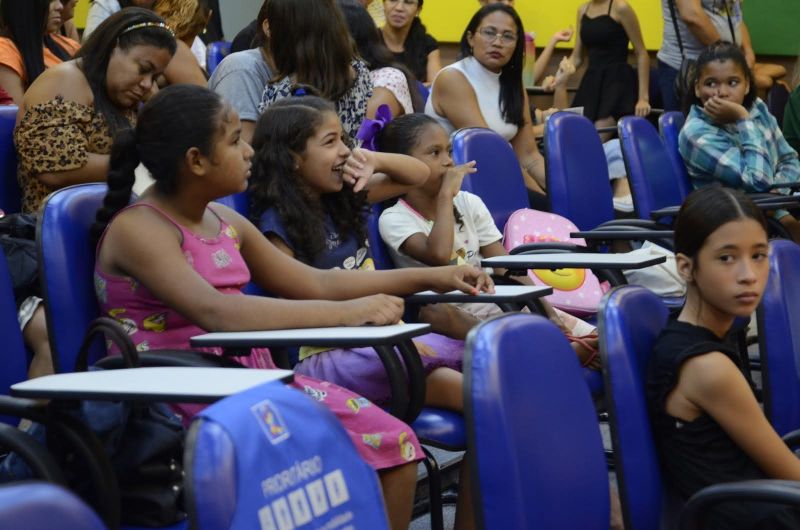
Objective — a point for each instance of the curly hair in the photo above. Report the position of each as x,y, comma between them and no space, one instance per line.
282,133
187,18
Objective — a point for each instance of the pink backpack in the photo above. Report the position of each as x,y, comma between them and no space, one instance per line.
576,291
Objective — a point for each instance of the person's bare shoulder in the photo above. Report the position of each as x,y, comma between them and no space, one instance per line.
65,80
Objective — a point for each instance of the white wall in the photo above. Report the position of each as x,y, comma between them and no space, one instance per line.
236,14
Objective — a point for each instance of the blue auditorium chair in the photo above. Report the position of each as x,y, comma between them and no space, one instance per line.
537,454
10,195
779,337
630,320
215,53
498,180
651,173
669,126
14,356
42,506
240,202
578,185
271,457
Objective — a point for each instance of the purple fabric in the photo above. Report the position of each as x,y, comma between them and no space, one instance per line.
370,128
360,371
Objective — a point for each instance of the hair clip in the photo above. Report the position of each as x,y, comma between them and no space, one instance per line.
299,92
142,25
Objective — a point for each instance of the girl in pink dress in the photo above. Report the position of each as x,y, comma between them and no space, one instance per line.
172,266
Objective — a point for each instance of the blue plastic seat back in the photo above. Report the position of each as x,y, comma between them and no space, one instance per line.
654,183
14,357
44,506
498,180
577,171
630,320
240,202
377,248
424,92
271,457
10,195
777,99
215,53
532,429
670,125
779,337
66,269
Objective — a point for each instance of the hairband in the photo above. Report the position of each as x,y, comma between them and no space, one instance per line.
369,130
142,25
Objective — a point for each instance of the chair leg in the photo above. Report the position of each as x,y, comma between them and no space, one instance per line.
434,490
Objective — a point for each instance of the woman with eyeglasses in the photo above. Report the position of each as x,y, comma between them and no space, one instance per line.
406,37
484,89
608,89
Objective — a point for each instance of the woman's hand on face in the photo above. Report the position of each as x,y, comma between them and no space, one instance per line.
378,310
359,168
642,108
724,111
451,183
464,278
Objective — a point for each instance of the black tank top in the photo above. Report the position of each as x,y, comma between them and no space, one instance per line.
700,453
604,38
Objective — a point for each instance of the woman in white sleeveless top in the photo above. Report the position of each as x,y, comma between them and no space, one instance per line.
485,90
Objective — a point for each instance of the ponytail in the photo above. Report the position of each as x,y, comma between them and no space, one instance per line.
121,177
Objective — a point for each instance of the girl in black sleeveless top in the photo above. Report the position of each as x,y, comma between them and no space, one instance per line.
608,89
708,426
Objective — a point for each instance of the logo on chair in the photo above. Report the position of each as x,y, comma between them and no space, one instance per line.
271,421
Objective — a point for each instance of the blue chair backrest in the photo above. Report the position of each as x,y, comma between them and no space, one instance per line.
777,98
10,195
43,506
66,269
377,248
424,92
532,429
240,202
14,357
215,53
577,171
630,320
654,183
670,125
271,457
779,337
498,180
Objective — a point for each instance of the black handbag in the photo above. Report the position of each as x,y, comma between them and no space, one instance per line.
144,442
17,240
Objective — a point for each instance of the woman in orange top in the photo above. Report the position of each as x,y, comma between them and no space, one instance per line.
30,42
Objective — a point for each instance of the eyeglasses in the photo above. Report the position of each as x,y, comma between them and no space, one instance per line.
490,35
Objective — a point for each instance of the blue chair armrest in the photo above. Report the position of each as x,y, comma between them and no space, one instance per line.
785,492
41,463
792,439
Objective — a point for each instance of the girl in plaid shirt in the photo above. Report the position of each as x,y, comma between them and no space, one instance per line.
730,136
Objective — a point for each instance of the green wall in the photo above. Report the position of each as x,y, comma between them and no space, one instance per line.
773,26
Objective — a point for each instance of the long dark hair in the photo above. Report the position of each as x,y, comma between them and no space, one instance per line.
720,51
512,100
25,23
373,51
176,119
414,45
401,136
309,41
115,32
281,133
705,210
